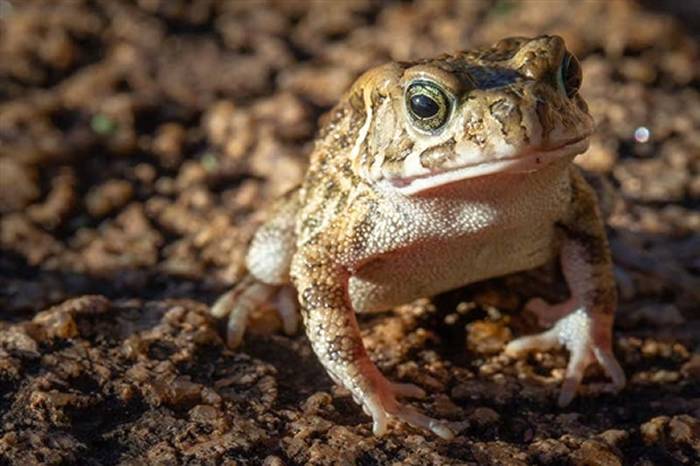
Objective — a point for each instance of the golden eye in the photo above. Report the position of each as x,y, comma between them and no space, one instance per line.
428,105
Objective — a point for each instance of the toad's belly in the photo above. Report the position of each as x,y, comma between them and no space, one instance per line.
441,265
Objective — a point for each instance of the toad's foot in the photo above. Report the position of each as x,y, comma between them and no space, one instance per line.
380,402
248,295
588,338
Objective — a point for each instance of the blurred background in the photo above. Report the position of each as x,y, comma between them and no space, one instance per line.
139,141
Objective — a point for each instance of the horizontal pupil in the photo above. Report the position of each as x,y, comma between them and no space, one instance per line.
423,106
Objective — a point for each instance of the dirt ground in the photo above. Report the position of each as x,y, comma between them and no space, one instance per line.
138,143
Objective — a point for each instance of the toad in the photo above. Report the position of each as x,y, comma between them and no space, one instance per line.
427,176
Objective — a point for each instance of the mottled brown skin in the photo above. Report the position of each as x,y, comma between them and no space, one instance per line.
427,176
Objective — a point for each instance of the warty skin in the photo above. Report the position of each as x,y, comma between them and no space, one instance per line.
428,176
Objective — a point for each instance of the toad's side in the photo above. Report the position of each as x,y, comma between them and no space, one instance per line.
428,176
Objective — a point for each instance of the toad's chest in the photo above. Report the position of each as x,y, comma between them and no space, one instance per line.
476,231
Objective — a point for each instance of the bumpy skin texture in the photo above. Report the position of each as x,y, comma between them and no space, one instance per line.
396,206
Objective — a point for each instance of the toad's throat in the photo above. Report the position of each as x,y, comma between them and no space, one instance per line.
523,162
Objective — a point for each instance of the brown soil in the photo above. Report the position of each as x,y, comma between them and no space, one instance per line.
138,142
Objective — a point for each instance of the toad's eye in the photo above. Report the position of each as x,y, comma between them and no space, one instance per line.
570,75
428,105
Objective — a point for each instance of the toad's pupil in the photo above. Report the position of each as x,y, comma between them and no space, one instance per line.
423,106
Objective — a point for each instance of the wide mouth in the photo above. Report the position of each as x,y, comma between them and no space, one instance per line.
530,160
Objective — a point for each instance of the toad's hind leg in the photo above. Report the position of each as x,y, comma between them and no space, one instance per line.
583,322
268,260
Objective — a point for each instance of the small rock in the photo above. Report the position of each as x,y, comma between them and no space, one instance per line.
684,429
317,402
482,417
204,413
595,453
273,461
108,197
487,337
614,437
691,369
653,430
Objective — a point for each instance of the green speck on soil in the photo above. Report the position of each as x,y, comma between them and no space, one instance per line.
103,125
210,162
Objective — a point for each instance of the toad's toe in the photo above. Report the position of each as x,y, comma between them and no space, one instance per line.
421,421
541,342
288,309
381,404
237,304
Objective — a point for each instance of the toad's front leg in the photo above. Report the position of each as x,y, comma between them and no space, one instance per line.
583,322
335,337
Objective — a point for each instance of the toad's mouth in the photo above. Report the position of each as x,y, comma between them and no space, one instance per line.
523,162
